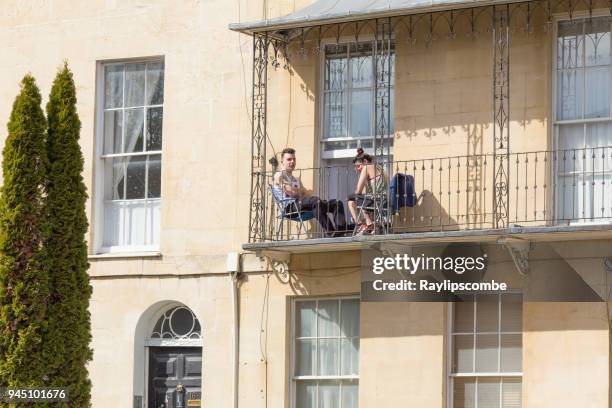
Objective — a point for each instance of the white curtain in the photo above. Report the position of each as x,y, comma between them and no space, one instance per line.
584,169
584,166
327,344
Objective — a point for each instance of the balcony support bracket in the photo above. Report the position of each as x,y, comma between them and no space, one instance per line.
519,251
278,262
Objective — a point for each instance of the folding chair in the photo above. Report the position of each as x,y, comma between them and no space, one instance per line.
378,207
288,210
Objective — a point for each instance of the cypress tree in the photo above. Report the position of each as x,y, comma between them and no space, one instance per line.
23,279
68,336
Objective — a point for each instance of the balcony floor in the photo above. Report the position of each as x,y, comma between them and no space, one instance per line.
535,233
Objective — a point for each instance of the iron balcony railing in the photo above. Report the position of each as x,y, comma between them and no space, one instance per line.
560,187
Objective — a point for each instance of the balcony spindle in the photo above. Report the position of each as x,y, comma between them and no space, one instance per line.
449,206
535,187
517,192
440,170
526,187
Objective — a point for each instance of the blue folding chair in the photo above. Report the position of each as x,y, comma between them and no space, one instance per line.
288,210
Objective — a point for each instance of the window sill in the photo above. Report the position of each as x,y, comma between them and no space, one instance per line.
119,255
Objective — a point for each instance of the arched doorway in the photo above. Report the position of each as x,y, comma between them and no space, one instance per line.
174,359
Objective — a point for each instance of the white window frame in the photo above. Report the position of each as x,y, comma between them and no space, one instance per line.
450,376
292,377
556,123
100,156
349,152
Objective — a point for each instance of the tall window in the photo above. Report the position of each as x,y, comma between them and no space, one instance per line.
486,358
131,154
349,98
326,353
584,120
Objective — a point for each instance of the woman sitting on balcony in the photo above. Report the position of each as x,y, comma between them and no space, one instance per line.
371,186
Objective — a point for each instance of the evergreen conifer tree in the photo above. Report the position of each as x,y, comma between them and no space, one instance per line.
68,334
24,289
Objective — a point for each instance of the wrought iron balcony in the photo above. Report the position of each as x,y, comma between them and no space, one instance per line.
544,188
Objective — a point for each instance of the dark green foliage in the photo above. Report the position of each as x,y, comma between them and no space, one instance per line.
23,279
68,334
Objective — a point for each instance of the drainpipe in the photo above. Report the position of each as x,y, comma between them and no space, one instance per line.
233,269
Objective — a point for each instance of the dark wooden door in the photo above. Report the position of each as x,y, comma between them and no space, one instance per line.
175,377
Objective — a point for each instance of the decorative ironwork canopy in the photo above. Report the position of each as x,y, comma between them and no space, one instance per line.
416,20
324,12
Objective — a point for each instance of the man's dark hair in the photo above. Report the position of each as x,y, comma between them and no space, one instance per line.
287,150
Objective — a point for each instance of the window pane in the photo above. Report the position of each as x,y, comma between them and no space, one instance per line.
597,103
113,86
511,353
350,394
464,317
329,394
570,137
113,223
511,312
487,313
306,319
488,392
361,113
570,45
463,353
155,83
114,178
487,348
328,318
153,222
597,42
511,392
361,66
349,357
154,176
335,124
135,222
330,146
154,128
134,84
329,356
306,394
350,318
134,121
305,357
335,68
135,177
464,393
599,135
113,126
570,94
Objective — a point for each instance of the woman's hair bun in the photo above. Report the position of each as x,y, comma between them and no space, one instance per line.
359,151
